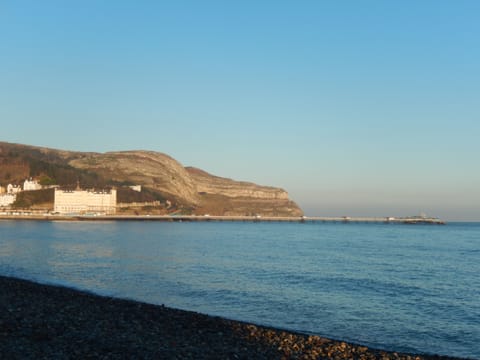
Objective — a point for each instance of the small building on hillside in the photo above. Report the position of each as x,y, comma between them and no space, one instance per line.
31,184
13,189
2,190
7,199
85,201
137,188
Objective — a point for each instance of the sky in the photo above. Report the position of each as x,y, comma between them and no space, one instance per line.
356,108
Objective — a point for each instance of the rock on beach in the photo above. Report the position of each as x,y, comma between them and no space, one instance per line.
52,322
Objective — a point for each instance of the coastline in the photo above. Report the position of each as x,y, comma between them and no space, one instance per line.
219,218
40,321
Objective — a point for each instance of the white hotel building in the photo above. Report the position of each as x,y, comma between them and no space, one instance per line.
84,201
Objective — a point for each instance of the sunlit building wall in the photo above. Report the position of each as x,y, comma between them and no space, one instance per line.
7,199
84,201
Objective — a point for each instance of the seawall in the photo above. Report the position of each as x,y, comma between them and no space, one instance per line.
204,218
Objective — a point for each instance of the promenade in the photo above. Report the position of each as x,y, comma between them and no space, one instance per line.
204,218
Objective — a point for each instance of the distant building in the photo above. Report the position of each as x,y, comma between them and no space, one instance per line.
83,201
13,189
29,185
136,188
2,190
7,199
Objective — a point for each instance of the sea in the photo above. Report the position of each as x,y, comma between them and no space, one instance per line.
408,288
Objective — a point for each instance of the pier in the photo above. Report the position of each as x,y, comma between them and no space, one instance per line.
205,218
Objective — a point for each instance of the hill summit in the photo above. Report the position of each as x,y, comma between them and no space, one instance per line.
166,183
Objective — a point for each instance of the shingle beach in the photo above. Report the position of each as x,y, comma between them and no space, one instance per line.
50,322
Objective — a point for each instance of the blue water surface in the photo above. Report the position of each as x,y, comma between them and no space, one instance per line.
410,288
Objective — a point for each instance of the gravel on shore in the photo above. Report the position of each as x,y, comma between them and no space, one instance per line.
52,322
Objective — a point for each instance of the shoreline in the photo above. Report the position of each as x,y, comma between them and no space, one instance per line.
209,218
48,321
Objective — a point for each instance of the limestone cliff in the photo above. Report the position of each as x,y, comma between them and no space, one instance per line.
221,196
212,184
147,168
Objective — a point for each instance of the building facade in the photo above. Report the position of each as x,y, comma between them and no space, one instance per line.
7,199
85,201
30,184
13,189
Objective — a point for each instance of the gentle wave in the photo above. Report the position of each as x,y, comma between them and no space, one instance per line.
402,288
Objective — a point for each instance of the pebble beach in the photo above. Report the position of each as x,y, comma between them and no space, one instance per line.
51,322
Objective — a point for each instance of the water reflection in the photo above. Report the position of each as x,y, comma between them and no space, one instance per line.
7,249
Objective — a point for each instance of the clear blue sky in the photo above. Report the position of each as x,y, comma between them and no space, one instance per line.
354,107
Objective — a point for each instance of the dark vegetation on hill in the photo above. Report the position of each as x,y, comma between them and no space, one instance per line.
20,162
29,199
127,195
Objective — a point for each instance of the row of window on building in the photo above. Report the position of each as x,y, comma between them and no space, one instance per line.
84,201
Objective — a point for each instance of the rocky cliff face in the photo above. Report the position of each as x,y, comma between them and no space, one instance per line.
151,169
211,184
221,196
187,187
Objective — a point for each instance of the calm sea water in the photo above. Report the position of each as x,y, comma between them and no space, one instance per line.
413,288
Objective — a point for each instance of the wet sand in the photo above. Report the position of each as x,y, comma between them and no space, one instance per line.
51,322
